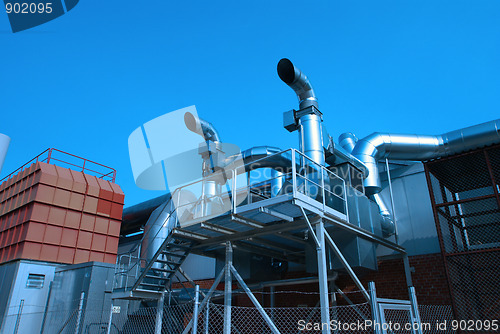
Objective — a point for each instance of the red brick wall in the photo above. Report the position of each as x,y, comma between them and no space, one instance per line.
429,280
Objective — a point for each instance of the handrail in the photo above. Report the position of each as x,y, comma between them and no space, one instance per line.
108,175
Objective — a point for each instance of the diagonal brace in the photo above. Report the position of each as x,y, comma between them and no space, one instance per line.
254,300
346,265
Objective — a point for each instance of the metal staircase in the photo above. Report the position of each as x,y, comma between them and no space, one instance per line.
160,270
138,278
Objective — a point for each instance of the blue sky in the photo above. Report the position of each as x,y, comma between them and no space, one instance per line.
83,82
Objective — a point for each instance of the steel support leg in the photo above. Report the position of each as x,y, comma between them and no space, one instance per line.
159,314
195,310
406,263
323,279
206,300
415,311
375,311
228,288
346,265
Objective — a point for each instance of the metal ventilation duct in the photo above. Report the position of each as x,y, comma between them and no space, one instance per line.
298,81
4,146
417,147
308,118
201,127
347,141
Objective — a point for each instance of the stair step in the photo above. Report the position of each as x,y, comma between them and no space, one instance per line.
156,286
157,277
167,253
171,245
168,262
163,270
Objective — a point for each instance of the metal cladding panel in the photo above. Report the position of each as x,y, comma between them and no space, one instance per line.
7,279
359,253
34,296
415,221
94,279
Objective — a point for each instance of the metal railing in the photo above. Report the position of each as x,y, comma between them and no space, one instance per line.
247,184
71,161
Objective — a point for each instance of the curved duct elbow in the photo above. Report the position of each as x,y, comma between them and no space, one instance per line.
347,141
298,81
387,223
420,148
201,127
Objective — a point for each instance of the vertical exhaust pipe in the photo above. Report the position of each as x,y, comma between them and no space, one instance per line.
308,119
4,146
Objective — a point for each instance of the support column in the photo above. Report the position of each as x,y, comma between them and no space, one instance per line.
406,263
159,314
323,279
374,306
228,288
195,310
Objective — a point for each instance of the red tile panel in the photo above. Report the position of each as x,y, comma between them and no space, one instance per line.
64,178
57,216
36,232
96,256
81,256
88,222
99,242
73,219
92,185
76,201
66,255
53,235
61,198
110,258
69,237
90,205
105,192
54,214
101,225
49,253
104,207
79,182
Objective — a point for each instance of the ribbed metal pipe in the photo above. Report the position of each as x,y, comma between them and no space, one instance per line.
387,223
201,127
417,147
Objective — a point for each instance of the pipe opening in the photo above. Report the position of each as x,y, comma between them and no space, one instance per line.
192,123
286,71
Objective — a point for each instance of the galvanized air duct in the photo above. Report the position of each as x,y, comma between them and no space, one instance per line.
201,127
347,141
308,118
417,147
387,223
4,146
298,81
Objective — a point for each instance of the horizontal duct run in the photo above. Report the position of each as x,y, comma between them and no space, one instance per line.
379,146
